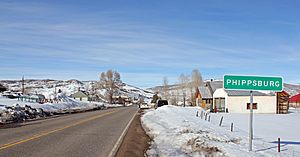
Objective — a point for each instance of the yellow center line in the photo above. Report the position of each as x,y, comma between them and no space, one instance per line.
36,136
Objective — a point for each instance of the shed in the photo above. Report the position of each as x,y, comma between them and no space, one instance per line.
282,102
36,98
80,96
238,101
204,97
295,101
40,98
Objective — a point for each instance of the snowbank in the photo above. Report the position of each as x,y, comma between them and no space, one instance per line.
66,104
176,131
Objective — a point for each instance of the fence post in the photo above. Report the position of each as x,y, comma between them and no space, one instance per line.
201,114
231,127
209,118
278,145
205,116
221,121
293,153
197,115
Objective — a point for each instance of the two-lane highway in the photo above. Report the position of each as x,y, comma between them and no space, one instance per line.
77,135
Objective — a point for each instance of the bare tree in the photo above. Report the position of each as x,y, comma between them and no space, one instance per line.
173,97
184,82
92,90
197,78
197,81
165,88
110,81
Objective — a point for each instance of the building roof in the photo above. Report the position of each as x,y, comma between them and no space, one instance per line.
295,98
79,94
245,93
204,91
215,85
37,96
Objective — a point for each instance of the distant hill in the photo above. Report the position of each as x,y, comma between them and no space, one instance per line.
48,87
159,88
291,88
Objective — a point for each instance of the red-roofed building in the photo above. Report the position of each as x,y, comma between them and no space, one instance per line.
295,101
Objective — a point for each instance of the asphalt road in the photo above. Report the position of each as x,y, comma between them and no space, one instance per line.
86,134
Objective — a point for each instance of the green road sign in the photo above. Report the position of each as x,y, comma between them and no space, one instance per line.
253,83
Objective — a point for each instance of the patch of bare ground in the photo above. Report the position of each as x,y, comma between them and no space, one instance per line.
200,146
136,142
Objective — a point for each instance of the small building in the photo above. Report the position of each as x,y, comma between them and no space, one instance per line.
121,99
204,93
204,98
295,101
39,98
282,102
36,98
11,95
82,96
93,98
237,101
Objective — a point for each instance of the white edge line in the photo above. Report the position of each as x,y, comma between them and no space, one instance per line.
116,147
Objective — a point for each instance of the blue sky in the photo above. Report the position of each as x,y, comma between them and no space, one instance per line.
147,40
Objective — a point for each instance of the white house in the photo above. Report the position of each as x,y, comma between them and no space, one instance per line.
237,101
80,96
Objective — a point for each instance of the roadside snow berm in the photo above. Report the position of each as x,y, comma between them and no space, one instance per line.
176,131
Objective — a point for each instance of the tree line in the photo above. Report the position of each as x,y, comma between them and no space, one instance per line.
110,83
186,88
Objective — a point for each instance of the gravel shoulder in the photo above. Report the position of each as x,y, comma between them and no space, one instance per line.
136,141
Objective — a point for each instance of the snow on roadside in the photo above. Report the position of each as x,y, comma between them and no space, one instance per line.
65,104
176,131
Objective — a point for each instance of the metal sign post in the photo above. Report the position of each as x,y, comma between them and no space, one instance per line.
251,122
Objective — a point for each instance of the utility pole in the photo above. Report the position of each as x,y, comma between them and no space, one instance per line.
23,85
183,99
55,90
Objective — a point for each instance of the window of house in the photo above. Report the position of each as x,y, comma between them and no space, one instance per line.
254,106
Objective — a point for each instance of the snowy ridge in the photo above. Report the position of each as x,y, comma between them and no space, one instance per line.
136,92
49,87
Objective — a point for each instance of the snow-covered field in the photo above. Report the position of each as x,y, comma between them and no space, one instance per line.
176,131
268,128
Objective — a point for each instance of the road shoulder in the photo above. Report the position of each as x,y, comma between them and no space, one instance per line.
136,142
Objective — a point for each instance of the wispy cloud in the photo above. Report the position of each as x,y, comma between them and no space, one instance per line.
44,37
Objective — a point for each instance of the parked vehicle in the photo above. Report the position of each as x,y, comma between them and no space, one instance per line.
162,103
144,106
